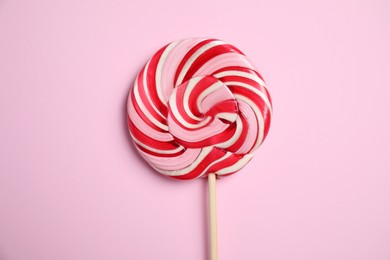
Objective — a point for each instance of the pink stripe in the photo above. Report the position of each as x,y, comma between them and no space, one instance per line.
222,61
173,163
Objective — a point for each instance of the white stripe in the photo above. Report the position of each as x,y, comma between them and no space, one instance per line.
160,65
194,57
231,117
237,166
253,89
145,110
241,74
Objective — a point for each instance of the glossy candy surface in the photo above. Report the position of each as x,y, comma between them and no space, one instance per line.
198,106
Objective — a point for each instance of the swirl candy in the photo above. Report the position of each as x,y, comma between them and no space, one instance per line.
198,106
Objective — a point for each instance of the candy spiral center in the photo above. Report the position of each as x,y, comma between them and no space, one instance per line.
202,112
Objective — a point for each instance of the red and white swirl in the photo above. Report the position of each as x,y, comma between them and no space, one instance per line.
198,106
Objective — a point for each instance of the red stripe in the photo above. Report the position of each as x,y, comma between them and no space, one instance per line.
145,101
202,85
151,81
145,139
267,124
240,141
188,55
215,139
227,106
231,160
243,80
238,68
208,55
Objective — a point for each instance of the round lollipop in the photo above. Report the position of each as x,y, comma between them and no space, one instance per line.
199,108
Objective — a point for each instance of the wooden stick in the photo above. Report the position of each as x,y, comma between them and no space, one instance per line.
212,217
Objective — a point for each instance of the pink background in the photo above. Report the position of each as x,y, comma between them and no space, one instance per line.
72,186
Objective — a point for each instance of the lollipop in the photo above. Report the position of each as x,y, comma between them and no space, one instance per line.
199,108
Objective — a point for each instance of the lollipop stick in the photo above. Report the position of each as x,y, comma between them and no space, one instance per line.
212,218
